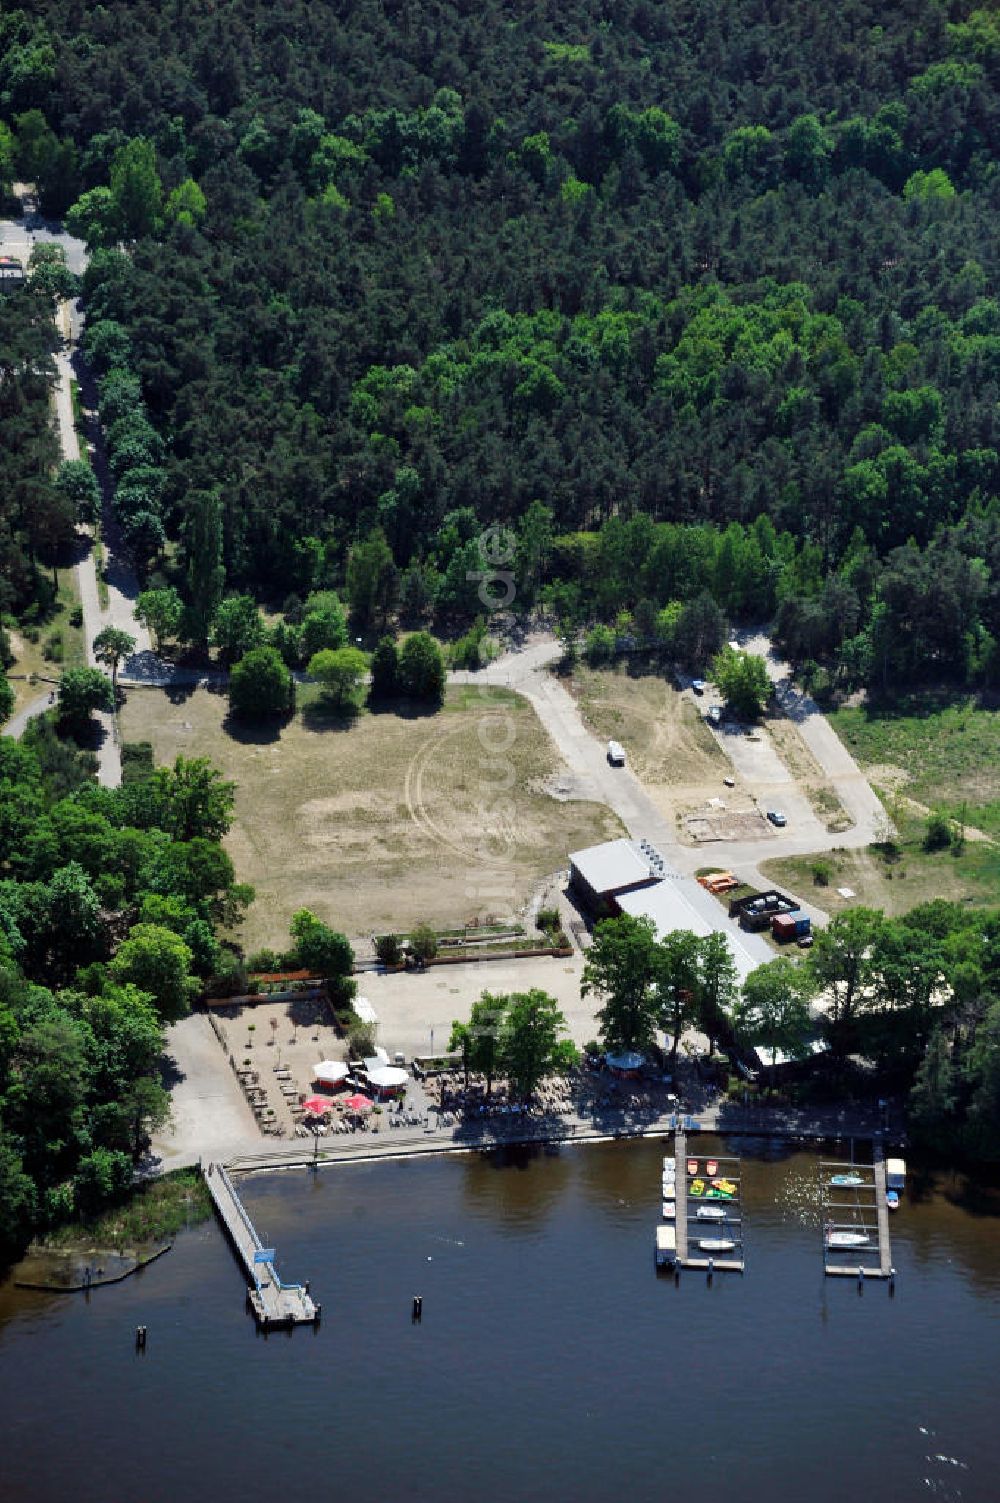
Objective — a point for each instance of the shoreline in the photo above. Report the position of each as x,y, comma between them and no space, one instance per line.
127,1265
801,1133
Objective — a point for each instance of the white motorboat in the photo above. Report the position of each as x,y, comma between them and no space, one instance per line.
716,1244
847,1239
710,1213
670,1210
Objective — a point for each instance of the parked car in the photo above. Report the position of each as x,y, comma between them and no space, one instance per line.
777,818
698,685
714,716
616,754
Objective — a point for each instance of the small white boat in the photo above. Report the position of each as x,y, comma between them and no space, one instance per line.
847,1239
670,1210
851,1181
895,1174
710,1213
670,1163
892,1200
716,1244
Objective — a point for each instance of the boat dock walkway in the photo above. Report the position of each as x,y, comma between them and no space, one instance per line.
855,1220
688,1199
273,1303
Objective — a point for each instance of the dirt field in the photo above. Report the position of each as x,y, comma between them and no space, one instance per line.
803,766
899,883
669,746
389,821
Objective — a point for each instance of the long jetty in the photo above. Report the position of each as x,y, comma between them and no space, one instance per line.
859,1210
731,1228
273,1303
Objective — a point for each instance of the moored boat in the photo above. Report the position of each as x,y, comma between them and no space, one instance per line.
716,1244
850,1181
847,1239
892,1200
710,1213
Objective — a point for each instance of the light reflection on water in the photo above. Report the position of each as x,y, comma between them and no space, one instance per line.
552,1363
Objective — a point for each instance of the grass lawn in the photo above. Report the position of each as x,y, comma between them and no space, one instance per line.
895,884
387,820
943,756
29,657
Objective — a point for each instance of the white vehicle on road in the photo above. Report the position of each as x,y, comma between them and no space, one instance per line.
616,754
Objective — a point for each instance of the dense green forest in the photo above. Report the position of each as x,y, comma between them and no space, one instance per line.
110,901
699,300
388,274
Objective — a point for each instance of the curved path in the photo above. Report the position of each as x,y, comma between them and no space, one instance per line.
18,237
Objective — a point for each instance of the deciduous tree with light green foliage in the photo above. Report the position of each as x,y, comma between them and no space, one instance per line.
238,627
421,668
158,962
321,949
621,966
160,612
110,646
742,680
78,483
136,188
185,204
773,1009
80,692
533,1041
260,686
341,673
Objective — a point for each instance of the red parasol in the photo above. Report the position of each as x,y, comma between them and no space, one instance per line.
317,1106
357,1103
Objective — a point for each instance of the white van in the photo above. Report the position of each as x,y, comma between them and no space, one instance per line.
616,754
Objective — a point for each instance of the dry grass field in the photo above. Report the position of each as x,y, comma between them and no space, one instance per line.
669,747
662,731
29,657
812,781
386,821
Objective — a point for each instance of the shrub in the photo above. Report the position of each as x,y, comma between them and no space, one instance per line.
388,949
423,942
548,919
52,651
599,646
937,834
360,1039
822,871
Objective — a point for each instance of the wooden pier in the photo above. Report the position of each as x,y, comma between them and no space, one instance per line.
273,1303
729,1228
856,1210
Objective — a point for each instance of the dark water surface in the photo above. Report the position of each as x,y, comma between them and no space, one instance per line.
552,1363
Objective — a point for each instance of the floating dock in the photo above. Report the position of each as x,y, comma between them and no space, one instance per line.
854,1207
273,1303
684,1249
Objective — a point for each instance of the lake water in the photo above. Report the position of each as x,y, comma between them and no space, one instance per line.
552,1362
